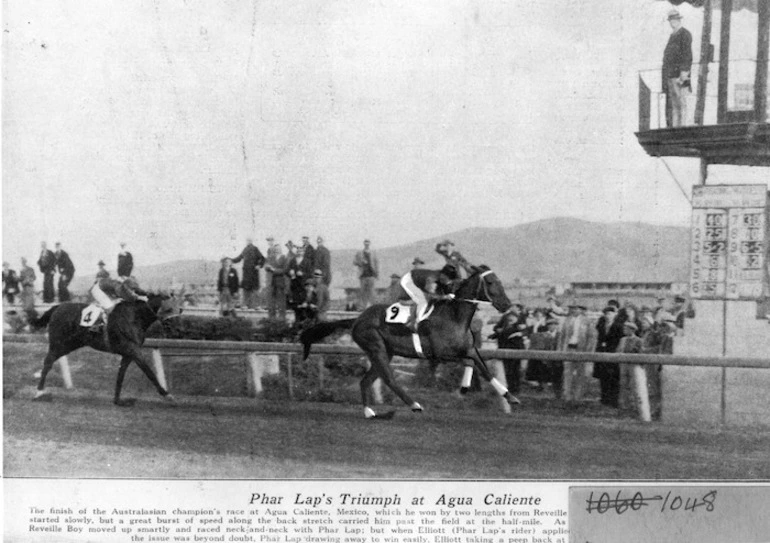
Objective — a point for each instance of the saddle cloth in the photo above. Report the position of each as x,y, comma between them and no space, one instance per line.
400,313
91,315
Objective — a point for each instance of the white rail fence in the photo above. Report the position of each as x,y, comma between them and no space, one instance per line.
262,358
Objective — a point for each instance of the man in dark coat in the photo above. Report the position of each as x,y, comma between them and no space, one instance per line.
10,283
609,332
125,262
227,286
323,261
677,63
252,261
309,252
278,267
47,265
510,332
66,270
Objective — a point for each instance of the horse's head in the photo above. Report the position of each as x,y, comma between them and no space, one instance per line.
164,306
485,286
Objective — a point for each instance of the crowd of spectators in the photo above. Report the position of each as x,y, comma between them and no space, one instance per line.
619,329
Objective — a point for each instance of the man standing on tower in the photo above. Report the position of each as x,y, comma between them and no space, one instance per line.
677,63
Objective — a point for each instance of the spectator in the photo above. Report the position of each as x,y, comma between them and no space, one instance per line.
368,268
125,261
47,265
633,379
537,371
277,268
323,261
677,63
300,269
555,310
395,291
510,332
679,312
102,273
309,252
609,331
252,261
227,286
322,299
305,308
27,279
10,283
417,263
542,337
66,270
574,336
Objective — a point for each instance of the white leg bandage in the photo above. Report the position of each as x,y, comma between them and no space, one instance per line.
501,390
467,375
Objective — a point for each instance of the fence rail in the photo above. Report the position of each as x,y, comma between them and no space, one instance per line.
500,354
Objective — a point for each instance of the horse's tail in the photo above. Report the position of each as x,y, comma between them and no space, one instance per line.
38,323
320,331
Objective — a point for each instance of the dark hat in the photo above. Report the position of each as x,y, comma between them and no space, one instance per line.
610,309
447,242
614,302
100,263
679,299
417,260
367,240
290,243
318,273
646,309
519,305
306,237
269,238
581,306
674,14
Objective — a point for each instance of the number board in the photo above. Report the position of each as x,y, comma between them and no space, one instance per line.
729,242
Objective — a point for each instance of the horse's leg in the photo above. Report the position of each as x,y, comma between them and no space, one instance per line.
137,356
380,359
475,355
50,358
366,391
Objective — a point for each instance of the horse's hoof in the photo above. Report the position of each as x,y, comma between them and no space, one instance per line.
464,390
416,408
42,396
126,402
170,400
369,413
512,399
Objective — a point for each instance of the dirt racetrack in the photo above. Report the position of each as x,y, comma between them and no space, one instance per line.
80,433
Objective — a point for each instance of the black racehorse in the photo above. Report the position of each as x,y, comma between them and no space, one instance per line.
445,337
124,335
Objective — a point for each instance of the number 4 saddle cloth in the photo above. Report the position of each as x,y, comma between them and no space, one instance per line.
93,317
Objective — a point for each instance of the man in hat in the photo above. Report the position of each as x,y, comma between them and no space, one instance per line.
321,295
309,251
677,63
574,336
323,260
395,291
66,270
227,286
10,283
456,267
368,271
609,332
102,272
47,265
27,279
417,263
277,268
253,260
629,374
543,338
125,261
510,333
679,312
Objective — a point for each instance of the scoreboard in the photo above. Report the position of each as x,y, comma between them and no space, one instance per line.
729,253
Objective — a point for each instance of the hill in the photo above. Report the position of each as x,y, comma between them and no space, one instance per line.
557,250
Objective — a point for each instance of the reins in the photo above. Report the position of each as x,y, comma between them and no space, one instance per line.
482,286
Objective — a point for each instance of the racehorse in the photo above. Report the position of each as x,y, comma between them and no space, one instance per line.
124,334
447,336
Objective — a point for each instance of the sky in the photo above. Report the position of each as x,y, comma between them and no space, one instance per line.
183,127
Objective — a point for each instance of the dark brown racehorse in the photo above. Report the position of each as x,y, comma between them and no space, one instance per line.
446,336
124,335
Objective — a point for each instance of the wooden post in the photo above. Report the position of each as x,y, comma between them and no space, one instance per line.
705,57
320,372
290,376
724,60
642,392
760,77
254,374
157,362
64,367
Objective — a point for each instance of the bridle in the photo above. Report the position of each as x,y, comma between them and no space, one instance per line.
481,288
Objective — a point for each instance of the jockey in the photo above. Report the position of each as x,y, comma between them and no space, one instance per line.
422,286
456,264
107,291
